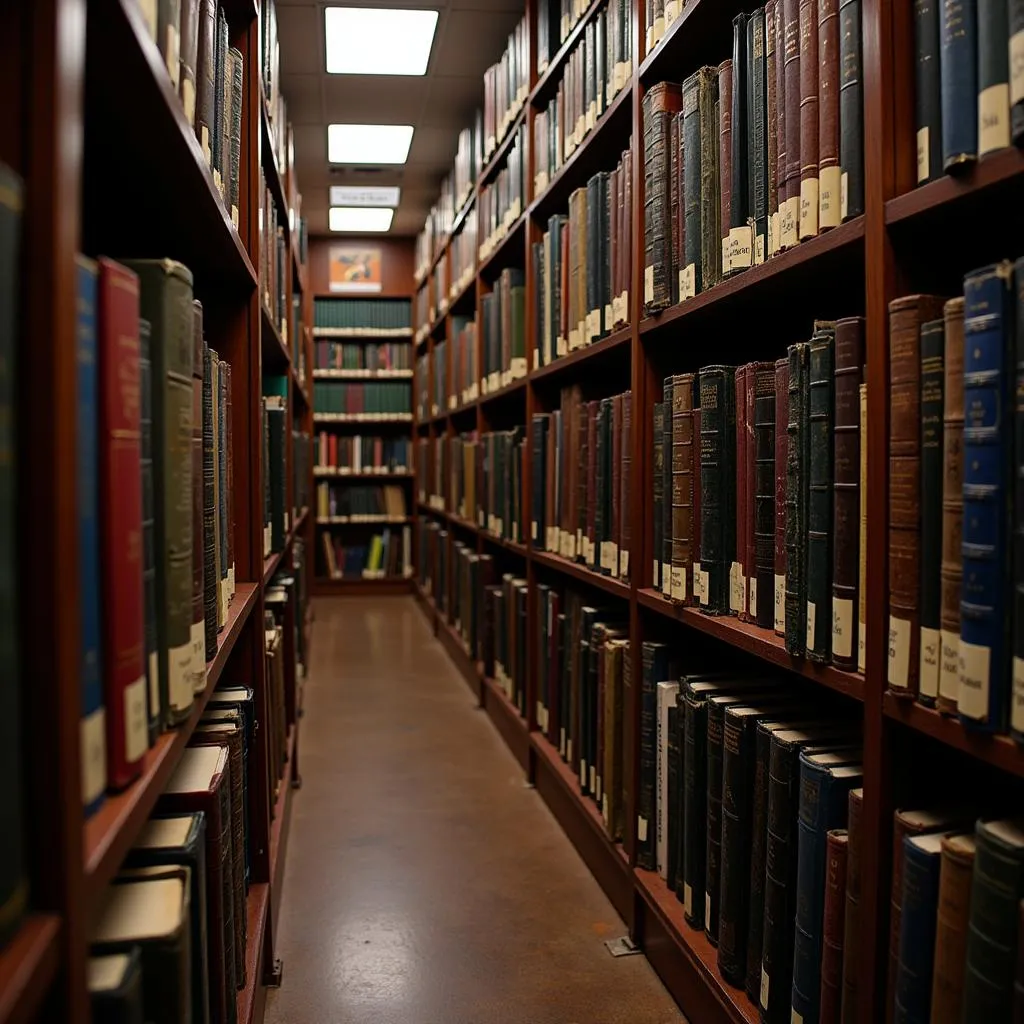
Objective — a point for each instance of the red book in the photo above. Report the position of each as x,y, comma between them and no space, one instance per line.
120,500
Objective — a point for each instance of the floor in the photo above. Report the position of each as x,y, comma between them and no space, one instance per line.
425,882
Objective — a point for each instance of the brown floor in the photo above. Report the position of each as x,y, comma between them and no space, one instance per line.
425,882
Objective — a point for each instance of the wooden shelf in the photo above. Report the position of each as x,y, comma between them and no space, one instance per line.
366,521
28,965
509,545
110,832
256,905
323,374
272,562
272,173
739,287
276,358
461,298
505,715
763,643
325,473
996,749
597,352
299,389
346,587
346,419
501,150
504,253
515,387
547,84
609,584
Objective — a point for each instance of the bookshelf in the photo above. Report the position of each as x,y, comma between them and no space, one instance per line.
86,84
901,243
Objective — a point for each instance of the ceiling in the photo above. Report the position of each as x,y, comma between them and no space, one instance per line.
470,36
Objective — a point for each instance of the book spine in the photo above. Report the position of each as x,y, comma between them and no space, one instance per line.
659,495
758,850
697,586
862,574
1016,29
682,487
198,630
959,73
717,486
713,857
210,570
120,504
829,172
797,500
932,373
691,199
710,181
781,157
762,573
849,361
739,569
154,710
809,117
790,228
1017,698
927,94
740,243
645,830
781,451
851,924
725,110
917,933
205,103
694,808
984,630
993,76
851,111
952,921
819,514
833,935
668,454
771,16
757,133
188,55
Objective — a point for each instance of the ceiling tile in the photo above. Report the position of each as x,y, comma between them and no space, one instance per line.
300,31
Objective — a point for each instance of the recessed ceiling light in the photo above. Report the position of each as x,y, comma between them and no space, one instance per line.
364,195
368,143
373,41
359,218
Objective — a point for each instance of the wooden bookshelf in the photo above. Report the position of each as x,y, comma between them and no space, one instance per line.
100,89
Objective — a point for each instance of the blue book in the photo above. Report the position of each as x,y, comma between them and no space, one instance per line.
922,857
959,72
93,727
825,782
987,461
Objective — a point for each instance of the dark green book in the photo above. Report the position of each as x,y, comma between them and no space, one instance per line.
717,484
820,491
797,500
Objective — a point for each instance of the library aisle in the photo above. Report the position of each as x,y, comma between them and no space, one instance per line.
425,882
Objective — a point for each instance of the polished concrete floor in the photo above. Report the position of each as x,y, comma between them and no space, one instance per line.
425,883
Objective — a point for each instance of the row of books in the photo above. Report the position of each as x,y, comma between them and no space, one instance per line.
371,356
275,263
358,454
437,286
358,503
503,331
770,521
750,158
370,316
956,619
967,104
500,203
465,362
374,397
469,162
422,311
302,468
598,67
156,510
582,476
387,555
555,20
421,385
270,73
177,909
207,74
506,85
463,254
583,266
277,517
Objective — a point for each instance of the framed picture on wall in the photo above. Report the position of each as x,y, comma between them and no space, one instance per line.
355,269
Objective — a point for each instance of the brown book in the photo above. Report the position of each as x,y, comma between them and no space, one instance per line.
851,922
829,176
198,609
725,154
808,118
740,570
625,495
188,56
782,160
790,228
613,779
772,126
694,578
755,377
683,473
781,450
833,932
675,192
202,782
952,506
1018,982
905,823
614,484
952,918
849,362
905,318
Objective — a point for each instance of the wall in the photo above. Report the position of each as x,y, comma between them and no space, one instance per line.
396,263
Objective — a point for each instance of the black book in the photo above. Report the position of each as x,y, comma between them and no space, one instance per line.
739,197
797,499
539,466
928,91
851,110
660,571
666,485
758,204
762,603
993,76
717,484
276,472
210,574
820,491
655,667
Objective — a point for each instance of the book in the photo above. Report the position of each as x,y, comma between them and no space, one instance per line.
759,206
1017,699
830,184
789,180
702,214
741,565
740,253
198,630
809,108
717,487
114,982
762,574
797,495
851,923
151,663
851,111
660,105
166,302
906,316
820,445
833,930
781,455
862,574
655,669
667,693
993,76
958,63
951,927
927,91
120,509
725,176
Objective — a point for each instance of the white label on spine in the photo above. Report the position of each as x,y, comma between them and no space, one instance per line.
930,641
148,8
735,598
811,622
136,724
533,529
697,582
172,55
656,573
862,647
844,195
623,563
678,583
1017,703
764,989
179,666
93,739
154,685
828,198
993,118
707,906
1016,68
688,282
688,898
795,1018
899,652
741,248
842,627
949,666
231,590
789,223
752,607
780,603
641,830
974,680
613,558
188,99
666,579
808,208
922,154
774,227
705,587
726,254
759,250
198,656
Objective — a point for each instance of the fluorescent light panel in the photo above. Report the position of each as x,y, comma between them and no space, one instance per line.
368,143
377,41
360,218
364,195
